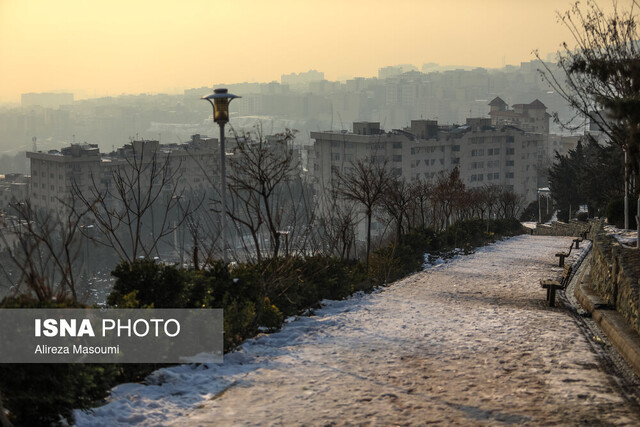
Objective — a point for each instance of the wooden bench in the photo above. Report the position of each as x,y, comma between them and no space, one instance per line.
551,285
562,255
577,242
585,233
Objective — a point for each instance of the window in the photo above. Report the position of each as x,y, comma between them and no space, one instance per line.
397,157
493,163
335,156
348,145
455,161
480,176
477,153
397,145
335,144
397,172
510,162
510,138
455,148
509,175
510,151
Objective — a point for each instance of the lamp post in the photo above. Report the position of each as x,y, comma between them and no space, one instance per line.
219,100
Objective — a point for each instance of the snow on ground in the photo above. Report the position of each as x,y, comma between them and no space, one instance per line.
625,237
470,341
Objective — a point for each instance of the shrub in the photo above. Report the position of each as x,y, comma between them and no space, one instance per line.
47,394
615,212
154,285
394,262
466,233
531,212
271,317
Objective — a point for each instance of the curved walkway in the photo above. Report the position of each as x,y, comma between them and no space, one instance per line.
465,343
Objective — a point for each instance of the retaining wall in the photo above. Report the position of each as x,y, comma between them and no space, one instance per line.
615,274
571,228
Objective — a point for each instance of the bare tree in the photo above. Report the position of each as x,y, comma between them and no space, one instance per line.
419,208
260,170
396,202
365,182
134,204
336,227
599,67
44,249
446,197
600,78
509,204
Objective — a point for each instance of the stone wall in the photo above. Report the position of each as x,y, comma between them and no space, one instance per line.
615,274
572,228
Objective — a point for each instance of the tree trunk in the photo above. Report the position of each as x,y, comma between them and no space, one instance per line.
369,215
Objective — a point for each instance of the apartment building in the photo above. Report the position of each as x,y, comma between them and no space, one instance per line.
55,173
485,154
532,117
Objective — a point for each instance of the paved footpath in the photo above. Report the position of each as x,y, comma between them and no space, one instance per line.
470,342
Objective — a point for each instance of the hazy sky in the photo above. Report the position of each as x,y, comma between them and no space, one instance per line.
99,47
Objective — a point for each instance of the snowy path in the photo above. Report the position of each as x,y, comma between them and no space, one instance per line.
467,342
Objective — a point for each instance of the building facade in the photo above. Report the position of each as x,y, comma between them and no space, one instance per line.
532,117
484,154
54,174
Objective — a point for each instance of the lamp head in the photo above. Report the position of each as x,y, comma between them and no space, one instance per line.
220,99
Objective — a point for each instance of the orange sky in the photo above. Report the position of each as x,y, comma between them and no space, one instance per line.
97,47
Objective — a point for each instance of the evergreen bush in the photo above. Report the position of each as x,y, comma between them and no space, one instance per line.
615,212
47,394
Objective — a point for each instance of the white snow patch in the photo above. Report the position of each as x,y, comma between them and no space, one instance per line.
470,342
627,238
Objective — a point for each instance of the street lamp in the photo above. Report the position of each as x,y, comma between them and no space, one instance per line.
219,100
542,191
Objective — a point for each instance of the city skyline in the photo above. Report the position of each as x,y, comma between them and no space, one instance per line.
98,49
